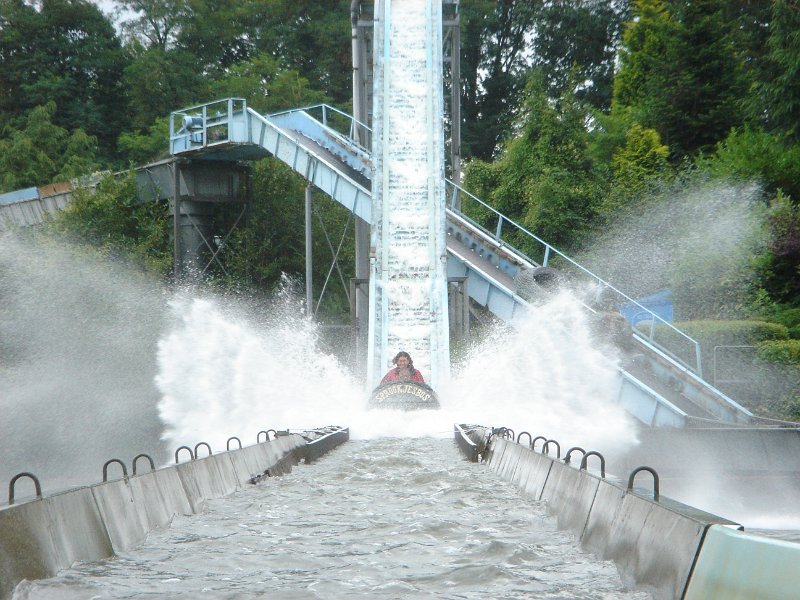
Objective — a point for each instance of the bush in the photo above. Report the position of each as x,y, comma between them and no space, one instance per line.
780,352
712,334
777,368
113,220
729,333
765,378
783,408
785,315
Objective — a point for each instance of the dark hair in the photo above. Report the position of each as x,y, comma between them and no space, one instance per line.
401,354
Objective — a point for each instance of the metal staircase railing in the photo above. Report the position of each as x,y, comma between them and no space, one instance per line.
691,351
224,122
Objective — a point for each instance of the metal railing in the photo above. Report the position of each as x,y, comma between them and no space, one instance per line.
210,124
339,121
458,196
205,124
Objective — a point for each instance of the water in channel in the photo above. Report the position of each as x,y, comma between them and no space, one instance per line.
382,518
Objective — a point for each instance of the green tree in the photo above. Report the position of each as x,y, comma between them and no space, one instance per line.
80,156
751,22
141,148
113,220
638,169
749,153
64,51
22,164
681,73
312,38
219,33
155,23
544,179
42,151
645,43
778,93
780,269
160,81
272,242
494,62
577,42
266,86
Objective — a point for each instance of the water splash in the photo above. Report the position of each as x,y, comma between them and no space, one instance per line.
77,338
547,376
221,376
699,240
100,362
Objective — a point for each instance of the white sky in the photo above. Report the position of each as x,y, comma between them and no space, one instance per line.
110,8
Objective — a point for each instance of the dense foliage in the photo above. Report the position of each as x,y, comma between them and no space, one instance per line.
653,137
112,219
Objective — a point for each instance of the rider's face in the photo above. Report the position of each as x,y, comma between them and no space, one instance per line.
402,362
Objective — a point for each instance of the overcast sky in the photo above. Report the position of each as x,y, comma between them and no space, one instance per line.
109,7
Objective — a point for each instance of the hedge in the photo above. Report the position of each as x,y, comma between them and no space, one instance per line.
773,389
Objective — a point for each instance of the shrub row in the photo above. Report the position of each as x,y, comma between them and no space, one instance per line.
769,375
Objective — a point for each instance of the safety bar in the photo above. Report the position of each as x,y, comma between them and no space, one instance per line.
652,472
148,457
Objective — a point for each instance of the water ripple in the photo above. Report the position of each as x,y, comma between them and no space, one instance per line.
390,518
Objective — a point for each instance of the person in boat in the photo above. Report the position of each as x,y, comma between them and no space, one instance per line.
403,370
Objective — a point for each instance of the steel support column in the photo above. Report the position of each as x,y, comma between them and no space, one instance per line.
309,255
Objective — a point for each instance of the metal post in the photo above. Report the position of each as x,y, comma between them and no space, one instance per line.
465,309
309,260
177,259
455,104
362,239
459,307
358,75
358,321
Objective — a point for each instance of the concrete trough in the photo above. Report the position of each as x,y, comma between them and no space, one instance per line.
27,548
654,543
469,448
737,566
173,493
520,465
147,494
207,478
321,446
40,537
569,494
249,463
602,515
77,527
124,518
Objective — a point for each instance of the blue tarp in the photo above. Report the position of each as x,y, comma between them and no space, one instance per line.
660,303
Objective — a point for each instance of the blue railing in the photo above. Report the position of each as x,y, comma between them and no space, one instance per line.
211,123
204,124
459,195
338,120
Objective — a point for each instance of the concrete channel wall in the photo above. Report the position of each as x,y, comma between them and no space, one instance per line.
41,537
659,545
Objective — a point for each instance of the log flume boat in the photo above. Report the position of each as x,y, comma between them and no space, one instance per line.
404,395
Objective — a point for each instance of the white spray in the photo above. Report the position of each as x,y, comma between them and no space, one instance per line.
221,376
